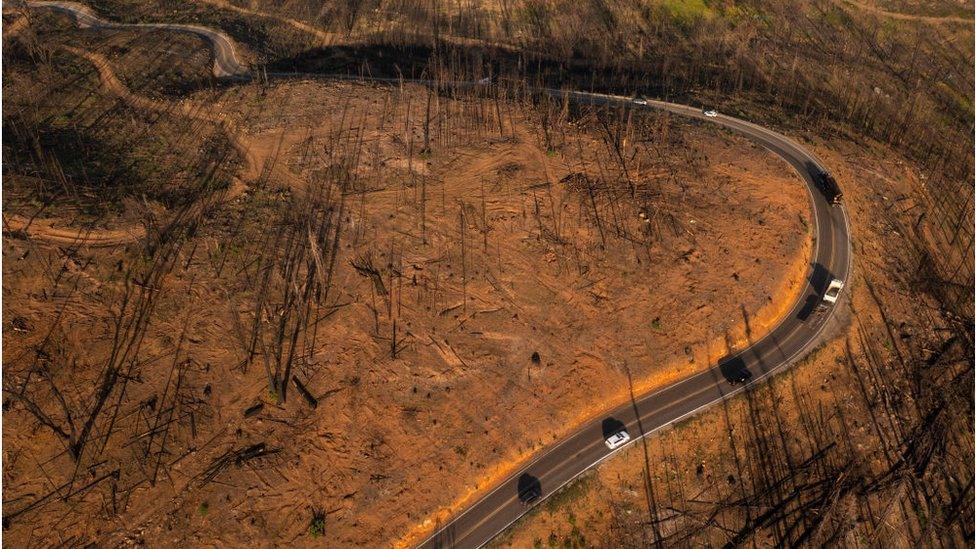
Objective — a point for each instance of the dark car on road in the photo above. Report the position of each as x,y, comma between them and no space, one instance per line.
740,376
830,188
529,489
734,370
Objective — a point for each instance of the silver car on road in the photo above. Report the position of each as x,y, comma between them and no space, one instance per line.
617,439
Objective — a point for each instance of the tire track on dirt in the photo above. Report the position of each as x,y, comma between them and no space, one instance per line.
935,19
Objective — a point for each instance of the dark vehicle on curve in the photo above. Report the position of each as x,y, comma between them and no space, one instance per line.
734,370
828,185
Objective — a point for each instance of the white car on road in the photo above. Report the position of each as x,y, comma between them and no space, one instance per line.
710,113
639,100
617,439
833,291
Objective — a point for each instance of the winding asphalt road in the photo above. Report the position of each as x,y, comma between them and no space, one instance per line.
795,335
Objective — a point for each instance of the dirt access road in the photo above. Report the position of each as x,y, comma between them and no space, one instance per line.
798,332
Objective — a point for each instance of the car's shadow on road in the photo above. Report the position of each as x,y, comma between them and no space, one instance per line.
819,279
612,426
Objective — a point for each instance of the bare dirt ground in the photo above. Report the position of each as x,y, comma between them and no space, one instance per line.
469,241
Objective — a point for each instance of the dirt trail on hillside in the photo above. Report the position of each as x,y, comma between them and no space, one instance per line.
907,16
327,38
42,229
254,155
14,28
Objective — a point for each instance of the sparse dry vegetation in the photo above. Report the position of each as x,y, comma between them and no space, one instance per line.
298,308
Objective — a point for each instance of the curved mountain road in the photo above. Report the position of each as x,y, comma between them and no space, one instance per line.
795,335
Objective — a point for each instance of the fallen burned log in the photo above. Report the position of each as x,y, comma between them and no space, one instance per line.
254,409
237,457
304,392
